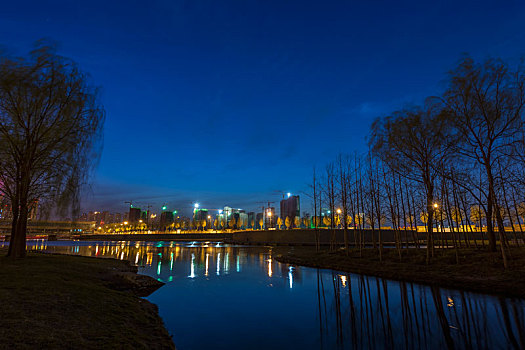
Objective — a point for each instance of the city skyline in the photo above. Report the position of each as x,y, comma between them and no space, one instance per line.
290,201
216,104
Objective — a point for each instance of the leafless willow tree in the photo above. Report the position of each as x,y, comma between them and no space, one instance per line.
50,134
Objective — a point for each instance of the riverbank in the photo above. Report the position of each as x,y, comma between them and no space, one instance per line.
153,237
477,271
60,301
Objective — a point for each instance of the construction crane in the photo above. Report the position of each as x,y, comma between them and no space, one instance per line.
265,202
285,194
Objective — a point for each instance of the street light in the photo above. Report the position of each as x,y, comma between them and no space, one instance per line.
436,205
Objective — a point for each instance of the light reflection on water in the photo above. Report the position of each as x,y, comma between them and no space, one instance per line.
236,297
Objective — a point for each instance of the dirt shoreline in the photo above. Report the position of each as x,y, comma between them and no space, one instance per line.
478,271
65,301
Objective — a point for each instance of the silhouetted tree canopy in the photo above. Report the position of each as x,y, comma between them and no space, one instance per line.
50,131
455,164
484,103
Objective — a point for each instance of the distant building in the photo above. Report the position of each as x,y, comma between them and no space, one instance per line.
166,218
117,218
228,212
251,220
258,219
33,211
105,218
241,219
270,220
200,214
134,215
290,208
6,212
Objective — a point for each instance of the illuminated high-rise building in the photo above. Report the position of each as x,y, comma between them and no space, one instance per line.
290,208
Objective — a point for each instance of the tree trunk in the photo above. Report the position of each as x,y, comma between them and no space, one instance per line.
14,223
18,242
430,223
490,207
502,238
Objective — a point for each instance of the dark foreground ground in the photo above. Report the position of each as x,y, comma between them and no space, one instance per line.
70,302
477,271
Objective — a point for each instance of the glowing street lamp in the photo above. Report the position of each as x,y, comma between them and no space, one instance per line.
288,194
436,205
338,215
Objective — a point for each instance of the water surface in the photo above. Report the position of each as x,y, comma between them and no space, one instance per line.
237,297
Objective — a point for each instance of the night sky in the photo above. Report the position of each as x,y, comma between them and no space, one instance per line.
226,102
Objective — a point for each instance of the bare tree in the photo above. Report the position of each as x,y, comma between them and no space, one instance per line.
485,104
343,192
50,132
412,143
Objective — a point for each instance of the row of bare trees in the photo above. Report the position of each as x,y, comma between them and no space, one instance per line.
457,162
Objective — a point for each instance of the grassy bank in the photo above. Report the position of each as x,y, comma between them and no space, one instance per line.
478,270
58,301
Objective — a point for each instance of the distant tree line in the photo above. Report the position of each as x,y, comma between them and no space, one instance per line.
458,161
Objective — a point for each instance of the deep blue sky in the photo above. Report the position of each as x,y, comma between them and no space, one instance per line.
225,102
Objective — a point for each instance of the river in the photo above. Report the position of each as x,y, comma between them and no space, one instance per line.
237,297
